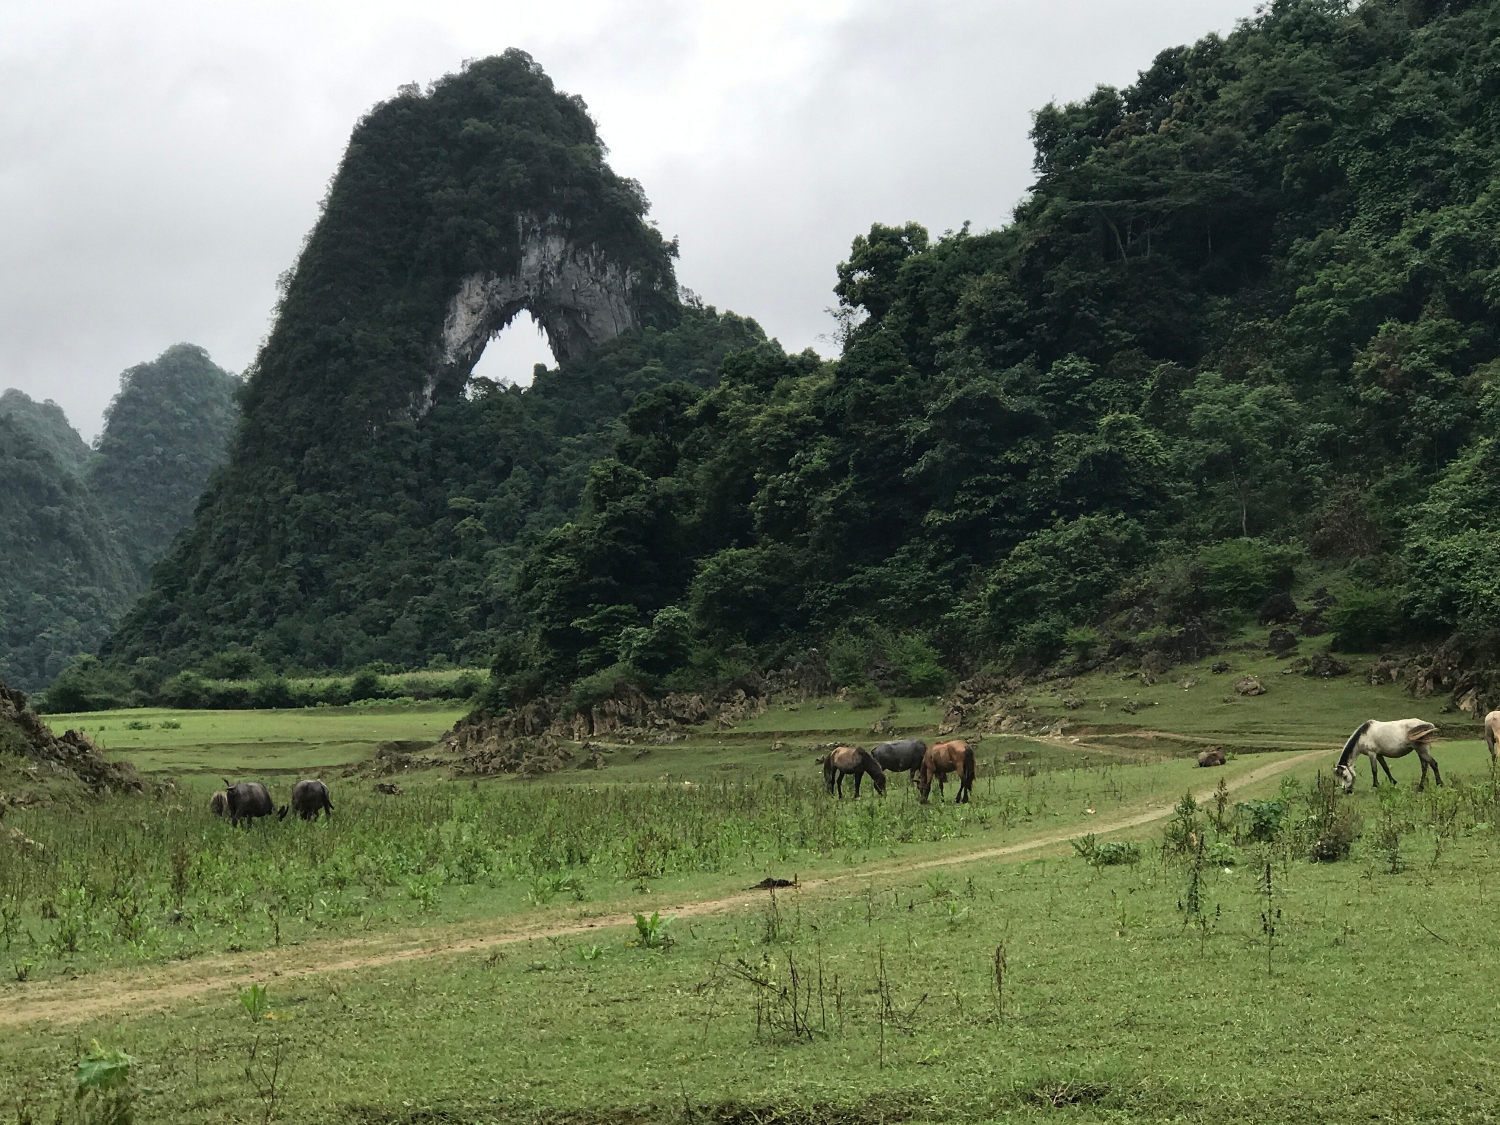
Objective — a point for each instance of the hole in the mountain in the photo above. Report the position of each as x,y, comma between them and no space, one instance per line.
510,356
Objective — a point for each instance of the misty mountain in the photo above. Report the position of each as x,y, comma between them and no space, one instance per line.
81,528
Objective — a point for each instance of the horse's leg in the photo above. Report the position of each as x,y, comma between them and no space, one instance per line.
1385,766
1429,760
841,786
859,776
1375,774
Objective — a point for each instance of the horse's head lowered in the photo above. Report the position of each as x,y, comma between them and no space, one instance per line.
1345,774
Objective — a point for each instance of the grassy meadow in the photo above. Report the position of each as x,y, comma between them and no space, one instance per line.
465,951
162,741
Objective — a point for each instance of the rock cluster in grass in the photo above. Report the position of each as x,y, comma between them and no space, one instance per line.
73,755
625,712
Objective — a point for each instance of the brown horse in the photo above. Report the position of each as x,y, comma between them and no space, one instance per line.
841,761
943,758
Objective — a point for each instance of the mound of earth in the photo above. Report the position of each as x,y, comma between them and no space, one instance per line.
73,756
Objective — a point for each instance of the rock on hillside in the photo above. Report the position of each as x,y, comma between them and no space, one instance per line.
73,756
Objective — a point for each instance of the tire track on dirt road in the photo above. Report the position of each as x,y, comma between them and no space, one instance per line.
140,992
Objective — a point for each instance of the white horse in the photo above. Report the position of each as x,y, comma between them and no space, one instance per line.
1492,733
1379,741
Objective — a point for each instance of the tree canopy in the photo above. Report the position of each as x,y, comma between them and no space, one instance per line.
1243,325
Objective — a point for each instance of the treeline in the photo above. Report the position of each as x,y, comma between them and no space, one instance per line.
1239,340
1243,328
238,680
80,528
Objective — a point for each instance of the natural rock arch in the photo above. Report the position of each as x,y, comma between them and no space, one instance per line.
578,294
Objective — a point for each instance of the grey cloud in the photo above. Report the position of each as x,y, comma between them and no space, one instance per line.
161,161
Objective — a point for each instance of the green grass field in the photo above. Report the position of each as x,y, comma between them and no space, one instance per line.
158,740
464,952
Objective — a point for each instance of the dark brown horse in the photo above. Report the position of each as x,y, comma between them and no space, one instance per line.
844,760
941,759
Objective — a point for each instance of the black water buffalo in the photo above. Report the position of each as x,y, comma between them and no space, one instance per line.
901,754
309,798
247,800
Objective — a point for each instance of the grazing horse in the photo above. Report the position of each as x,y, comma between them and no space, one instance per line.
943,758
1379,741
844,760
901,754
1491,734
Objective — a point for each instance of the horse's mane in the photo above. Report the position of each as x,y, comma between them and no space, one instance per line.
1349,747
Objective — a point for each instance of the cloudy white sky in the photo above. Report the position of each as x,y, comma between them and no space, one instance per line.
161,160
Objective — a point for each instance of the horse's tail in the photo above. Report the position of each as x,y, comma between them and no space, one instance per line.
968,770
1350,747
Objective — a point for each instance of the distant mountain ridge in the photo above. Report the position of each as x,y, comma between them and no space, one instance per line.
81,528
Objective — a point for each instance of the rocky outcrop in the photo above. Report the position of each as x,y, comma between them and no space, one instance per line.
506,743
579,295
72,755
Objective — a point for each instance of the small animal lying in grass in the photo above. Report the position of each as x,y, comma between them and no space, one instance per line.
218,804
1211,757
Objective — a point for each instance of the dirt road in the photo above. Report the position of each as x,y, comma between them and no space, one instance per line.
152,989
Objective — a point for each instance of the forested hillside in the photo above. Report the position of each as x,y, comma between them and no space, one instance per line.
165,431
1243,328
63,580
1239,337
81,528
368,492
46,422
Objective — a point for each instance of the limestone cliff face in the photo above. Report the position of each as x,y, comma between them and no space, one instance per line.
580,295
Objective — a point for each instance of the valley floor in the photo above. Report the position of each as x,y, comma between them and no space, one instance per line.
929,964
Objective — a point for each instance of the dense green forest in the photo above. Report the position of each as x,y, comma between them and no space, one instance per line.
164,433
80,528
1238,340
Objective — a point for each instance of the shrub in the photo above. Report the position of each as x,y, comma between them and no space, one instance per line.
1264,819
748,593
1114,853
272,691
603,684
1363,618
1241,573
1184,832
366,685
1332,824
914,665
185,691
88,685
661,646
234,664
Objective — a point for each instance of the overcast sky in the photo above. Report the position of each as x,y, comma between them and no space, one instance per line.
160,161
